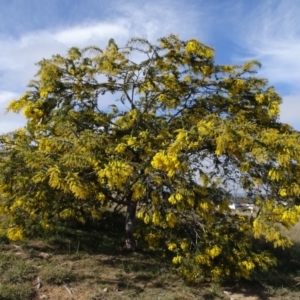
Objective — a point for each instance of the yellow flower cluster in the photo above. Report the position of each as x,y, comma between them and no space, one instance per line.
17,203
67,213
274,109
17,105
170,103
101,197
95,214
140,214
117,173
153,240
167,162
228,69
181,142
172,246
204,206
160,161
32,113
194,47
79,190
171,220
246,267
184,245
45,225
202,259
138,191
15,233
214,251
177,260
127,120
131,141
175,198
54,177
260,98
121,148
156,218
236,85
290,217
206,126
216,272
147,219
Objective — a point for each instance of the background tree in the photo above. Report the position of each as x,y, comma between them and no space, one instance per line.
181,133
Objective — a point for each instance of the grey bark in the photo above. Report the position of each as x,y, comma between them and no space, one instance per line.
130,243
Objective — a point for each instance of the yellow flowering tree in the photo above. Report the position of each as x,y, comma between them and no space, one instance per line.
182,132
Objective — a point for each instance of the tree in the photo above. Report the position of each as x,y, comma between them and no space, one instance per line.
182,132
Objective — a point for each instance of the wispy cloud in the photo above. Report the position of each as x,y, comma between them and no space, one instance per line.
270,32
272,35
18,55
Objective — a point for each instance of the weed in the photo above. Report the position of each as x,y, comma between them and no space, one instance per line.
16,292
18,272
214,292
59,275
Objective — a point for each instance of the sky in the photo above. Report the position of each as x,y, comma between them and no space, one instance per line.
268,31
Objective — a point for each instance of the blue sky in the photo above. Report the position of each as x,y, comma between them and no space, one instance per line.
238,30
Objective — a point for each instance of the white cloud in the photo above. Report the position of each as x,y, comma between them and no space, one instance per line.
19,55
89,34
270,33
290,110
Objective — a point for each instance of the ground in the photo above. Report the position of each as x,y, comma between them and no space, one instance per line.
90,266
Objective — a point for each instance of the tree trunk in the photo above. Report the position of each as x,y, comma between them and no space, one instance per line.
130,227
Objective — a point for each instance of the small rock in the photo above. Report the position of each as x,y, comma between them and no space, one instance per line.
44,297
105,290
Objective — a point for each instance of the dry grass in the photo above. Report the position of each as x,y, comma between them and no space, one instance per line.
87,276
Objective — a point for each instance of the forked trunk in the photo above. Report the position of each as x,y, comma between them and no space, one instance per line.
130,243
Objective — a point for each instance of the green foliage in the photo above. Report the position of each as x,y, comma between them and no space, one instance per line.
183,132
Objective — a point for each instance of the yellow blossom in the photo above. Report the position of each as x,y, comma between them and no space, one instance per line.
184,244
138,191
140,214
146,219
177,259
15,233
214,251
156,218
171,220
172,246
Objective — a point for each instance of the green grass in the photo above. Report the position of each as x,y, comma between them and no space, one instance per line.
22,291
